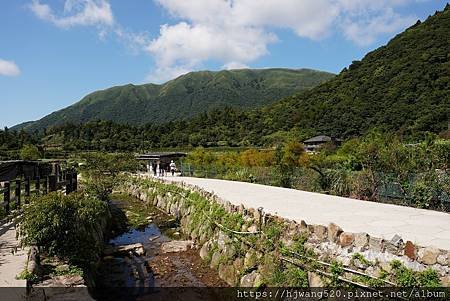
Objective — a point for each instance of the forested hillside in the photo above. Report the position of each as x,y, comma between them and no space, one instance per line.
185,96
403,86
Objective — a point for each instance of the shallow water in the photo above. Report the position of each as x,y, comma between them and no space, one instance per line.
140,236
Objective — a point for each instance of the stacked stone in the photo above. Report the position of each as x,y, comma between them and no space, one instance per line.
328,242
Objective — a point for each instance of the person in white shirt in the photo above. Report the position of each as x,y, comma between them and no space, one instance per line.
173,167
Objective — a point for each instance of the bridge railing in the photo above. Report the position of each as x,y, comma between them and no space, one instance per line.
14,193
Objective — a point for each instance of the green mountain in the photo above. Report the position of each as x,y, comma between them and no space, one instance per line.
184,97
403,86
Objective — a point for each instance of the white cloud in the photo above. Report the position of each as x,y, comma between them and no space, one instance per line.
238,32
9,68
76,13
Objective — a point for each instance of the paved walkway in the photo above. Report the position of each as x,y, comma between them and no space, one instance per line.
423,227
12,258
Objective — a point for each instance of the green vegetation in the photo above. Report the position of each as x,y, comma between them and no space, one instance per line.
405,277
30,152
13,141
377,167
185,96
102,172
69,226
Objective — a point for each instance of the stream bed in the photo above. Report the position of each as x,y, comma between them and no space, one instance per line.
137,264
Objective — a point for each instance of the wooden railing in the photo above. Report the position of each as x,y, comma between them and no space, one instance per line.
20,190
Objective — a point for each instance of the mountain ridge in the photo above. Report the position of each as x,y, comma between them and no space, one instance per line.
184,96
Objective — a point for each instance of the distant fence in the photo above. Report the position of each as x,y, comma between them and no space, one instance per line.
18,191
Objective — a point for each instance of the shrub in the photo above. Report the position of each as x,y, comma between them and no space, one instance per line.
69,227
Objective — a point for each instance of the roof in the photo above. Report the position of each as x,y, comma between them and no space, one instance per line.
321,138
149,156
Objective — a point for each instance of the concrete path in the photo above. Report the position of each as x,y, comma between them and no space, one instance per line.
12,258
423,227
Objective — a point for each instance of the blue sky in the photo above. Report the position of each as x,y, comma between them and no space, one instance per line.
54,52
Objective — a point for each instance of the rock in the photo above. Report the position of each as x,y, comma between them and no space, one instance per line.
250,259
215,260
346,261
253,228
346,239
361,240
154,238
320,231
303,225
314,280
396,240
228,274
176,246
137,248
238,263
391,248
443,259
222,240
229,251
204,251
333,232
428,255
410,250
445,281
385,266
249,279
376,244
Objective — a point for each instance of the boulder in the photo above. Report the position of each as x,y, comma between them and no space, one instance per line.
176,246
361,240
346,239
333,232
376,244
444,259
215,260
238,263
137,248
228,274
222,240
204,250
250,259
428,255
253,228
229,251
315,280
320,232
410,250
249,279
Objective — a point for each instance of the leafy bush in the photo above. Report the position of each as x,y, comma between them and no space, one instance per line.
101,172
69,227
30,152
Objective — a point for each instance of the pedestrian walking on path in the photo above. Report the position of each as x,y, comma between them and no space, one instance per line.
173,167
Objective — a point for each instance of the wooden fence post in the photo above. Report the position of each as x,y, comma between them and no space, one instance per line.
52,182
27,190
44,185
38,185
75,181
7,196
17,193
69,182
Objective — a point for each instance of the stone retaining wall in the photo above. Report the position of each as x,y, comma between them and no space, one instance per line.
240,262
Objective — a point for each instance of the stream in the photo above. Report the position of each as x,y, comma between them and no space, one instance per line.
142,271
